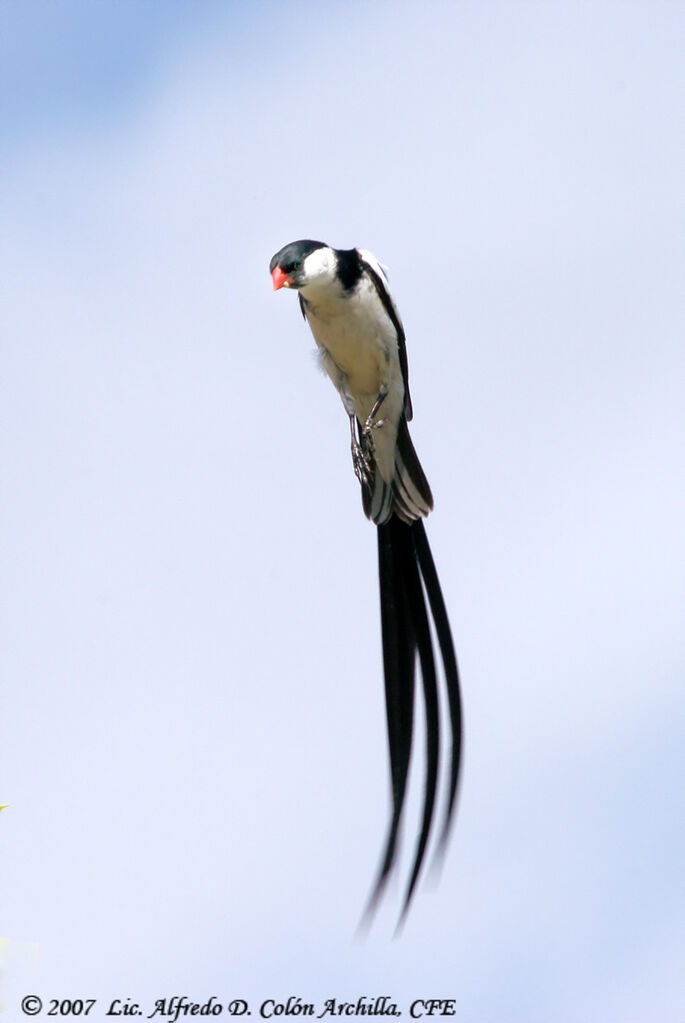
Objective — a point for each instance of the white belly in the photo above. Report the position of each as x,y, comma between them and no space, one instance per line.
358,344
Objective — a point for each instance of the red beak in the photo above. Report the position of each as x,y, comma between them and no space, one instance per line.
280,278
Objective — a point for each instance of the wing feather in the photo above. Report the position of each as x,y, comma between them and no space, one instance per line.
380,282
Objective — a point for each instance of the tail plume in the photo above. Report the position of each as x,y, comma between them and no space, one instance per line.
407,577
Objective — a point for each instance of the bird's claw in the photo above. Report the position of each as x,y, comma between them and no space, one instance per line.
361,460
370,425
363,449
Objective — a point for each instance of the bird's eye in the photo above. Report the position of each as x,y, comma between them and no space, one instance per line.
295,265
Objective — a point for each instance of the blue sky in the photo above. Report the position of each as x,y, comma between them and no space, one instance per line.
191,717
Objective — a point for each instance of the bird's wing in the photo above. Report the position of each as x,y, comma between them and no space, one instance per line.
379,280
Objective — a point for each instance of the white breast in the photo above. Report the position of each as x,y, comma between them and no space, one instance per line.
357,334
360,354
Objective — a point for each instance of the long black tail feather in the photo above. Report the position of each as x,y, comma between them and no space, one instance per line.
417,602
449,660
399,659
407,575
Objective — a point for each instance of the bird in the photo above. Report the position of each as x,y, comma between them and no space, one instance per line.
345,298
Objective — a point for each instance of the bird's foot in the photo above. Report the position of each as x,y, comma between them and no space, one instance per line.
370,425
361,459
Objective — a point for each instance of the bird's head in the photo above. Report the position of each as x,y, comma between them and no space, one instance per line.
302,263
